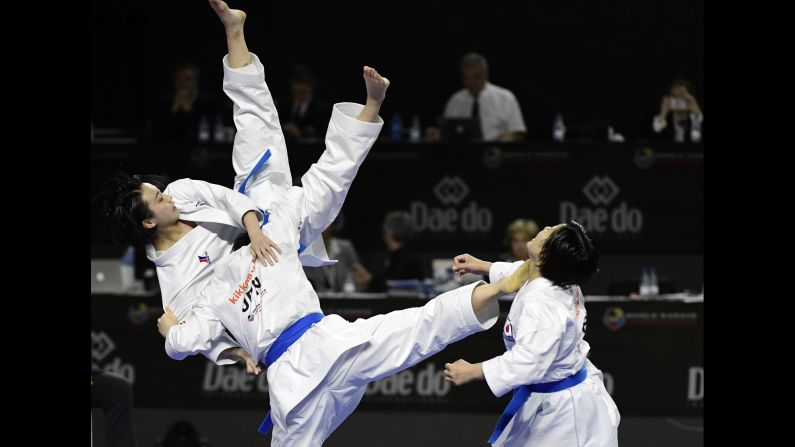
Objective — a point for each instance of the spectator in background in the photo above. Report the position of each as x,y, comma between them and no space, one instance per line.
517,234
304,116
113,394
401,260
177,117
681,105
347,275
496,107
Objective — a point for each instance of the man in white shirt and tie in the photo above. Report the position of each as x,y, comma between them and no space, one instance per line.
495,107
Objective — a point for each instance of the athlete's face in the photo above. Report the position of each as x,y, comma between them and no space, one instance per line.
164,213
537,243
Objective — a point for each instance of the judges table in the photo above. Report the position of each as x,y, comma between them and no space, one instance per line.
651,353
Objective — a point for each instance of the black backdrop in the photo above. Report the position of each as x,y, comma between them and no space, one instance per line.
598,63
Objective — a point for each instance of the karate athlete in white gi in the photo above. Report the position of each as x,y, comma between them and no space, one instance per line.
191,225
559,396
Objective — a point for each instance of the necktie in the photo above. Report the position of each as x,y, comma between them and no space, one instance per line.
476,115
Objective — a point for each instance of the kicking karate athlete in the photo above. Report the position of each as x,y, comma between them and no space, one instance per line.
190,225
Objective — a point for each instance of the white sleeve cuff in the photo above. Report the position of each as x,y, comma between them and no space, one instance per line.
251,74
344,113
247,69
487,316
500,270
498,387
171,350
217,347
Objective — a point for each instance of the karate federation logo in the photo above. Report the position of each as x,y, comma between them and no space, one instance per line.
205,258
507,331
644,157
614,318
492,157
141,313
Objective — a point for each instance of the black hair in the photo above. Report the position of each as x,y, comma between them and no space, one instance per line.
569,256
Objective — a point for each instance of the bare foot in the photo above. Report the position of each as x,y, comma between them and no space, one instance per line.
231,18
376,85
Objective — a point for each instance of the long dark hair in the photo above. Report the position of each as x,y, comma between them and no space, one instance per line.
569,256
125,208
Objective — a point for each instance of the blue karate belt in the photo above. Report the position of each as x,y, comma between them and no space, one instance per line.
242,190
522,393
279,347
257,167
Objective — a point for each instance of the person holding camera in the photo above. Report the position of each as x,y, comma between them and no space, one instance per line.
684,110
